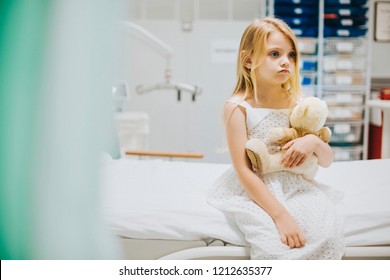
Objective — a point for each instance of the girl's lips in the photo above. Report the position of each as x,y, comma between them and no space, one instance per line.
284,71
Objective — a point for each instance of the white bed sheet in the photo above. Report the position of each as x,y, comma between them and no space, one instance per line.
366,199
157,199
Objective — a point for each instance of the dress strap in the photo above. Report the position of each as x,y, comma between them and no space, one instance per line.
240,102
245,104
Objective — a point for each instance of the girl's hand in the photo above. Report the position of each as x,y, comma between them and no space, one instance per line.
289,231
298,150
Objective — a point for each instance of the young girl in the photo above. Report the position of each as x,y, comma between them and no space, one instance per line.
281,215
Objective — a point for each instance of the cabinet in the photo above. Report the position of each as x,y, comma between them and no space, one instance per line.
333,37
384,105
133,130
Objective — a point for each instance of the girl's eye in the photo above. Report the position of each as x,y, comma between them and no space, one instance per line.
274,53
292,55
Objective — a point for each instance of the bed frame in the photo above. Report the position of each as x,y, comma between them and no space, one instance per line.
166,154
144,249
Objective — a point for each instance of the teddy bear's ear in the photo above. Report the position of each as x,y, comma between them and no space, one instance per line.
310,114
300,110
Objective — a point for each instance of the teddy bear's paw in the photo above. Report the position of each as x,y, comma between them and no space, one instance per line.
276,134
255,160
326,134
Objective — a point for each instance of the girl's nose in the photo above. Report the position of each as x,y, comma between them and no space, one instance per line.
284,62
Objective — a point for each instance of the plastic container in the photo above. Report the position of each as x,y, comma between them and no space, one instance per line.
344,78
344,31
347,10
308,63
384,94
305,31
297,2
339,21
347,153
333,63
336,97
300,21
133,130
308,78
345,131
307,45
309,90
345,46
342,3
345,112
295,10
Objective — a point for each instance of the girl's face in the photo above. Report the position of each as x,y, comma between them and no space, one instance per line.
278,64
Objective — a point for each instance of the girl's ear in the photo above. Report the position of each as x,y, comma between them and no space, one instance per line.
245,59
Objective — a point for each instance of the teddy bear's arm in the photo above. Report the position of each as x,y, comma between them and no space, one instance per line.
282,135
266,163
325,134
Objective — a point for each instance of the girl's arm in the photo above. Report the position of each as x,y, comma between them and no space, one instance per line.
299,149
235,127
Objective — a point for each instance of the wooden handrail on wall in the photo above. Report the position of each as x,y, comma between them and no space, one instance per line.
164,154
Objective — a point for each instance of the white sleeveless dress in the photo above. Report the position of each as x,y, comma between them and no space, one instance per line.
311,207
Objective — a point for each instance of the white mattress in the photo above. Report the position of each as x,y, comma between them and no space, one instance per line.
156,199
365,187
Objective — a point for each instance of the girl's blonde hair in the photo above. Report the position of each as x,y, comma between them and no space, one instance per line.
253,48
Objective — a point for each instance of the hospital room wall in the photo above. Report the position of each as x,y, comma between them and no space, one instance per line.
184,125
380,51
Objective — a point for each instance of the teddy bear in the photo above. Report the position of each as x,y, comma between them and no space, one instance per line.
307,117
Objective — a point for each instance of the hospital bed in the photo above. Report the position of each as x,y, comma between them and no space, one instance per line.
158,208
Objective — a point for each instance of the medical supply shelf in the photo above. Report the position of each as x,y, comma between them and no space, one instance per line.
334,66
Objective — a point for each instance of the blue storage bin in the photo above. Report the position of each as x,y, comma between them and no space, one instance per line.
345,21
301,21
347,11
297,10
344,32
308,78
345,2
308,65
297,2
305,32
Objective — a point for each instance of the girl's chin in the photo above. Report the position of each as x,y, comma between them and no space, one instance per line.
283,80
